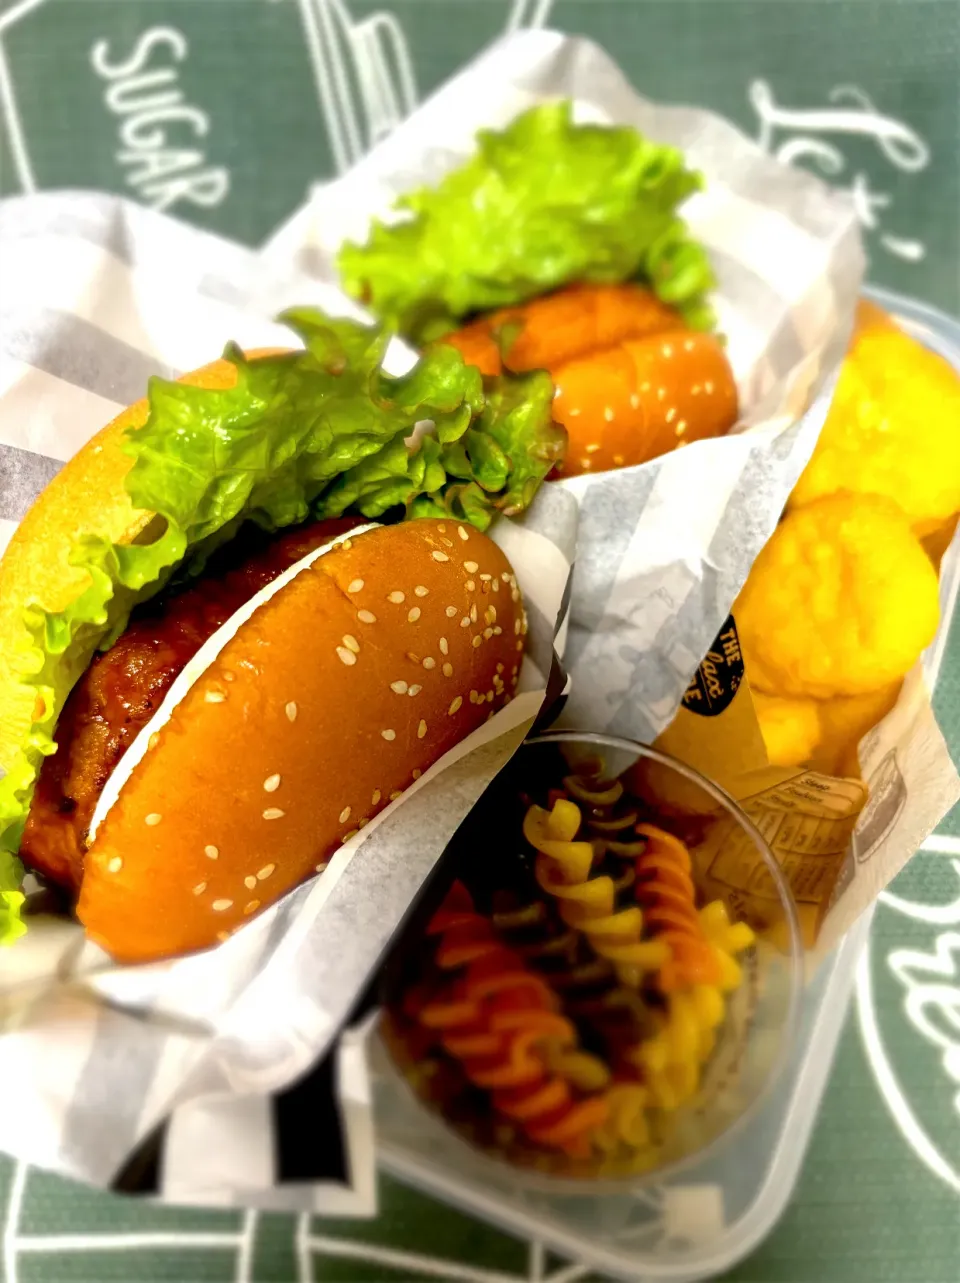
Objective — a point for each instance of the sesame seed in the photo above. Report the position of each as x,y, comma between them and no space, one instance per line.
200,888
396,597
471,567
618,460
352,834
214,697
223,936
499,668
228,676
437,555
447,543
355,585
114,865
634,401
347,545
351,643
221,906
444,646
416,772
153,819
490,697
413,615
488,633
644,387
671,414
470,585
477,641
421,729
273,813
455,706
497,630
366,616
389,735
681,427
291,711
319,868
572,414
451,612
212,852
251,907
399,688
462,533
661,393
473,613
395,794
429,662
486,578
250,882
519,645
421,590
496,585
667,350
465,622
688,346
473,697
415,690
265,871
154,740
708,387
447,670
442,528
516,627
346,656
586,464
345,815
361,823
608,413
695,390
490,614
271,783
374,801
414,659
593,447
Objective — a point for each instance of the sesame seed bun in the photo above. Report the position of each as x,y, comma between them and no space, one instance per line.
357,673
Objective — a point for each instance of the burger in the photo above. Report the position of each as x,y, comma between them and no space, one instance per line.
245,617
559,246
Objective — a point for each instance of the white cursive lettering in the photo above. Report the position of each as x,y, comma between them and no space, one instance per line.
932,980
852,113
157,126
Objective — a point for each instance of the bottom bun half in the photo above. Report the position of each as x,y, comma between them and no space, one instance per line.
367,665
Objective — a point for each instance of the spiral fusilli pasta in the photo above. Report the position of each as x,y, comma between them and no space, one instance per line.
500,1021
588,903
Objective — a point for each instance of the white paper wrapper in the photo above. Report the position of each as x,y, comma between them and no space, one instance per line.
98,295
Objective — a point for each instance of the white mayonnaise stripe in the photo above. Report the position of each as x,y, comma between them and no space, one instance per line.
195,669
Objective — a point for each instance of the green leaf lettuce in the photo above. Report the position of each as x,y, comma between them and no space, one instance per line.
307,433
542,203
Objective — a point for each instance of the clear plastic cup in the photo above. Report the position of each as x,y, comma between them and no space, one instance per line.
756,1036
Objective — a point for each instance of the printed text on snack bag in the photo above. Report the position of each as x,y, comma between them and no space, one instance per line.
850,114
158,128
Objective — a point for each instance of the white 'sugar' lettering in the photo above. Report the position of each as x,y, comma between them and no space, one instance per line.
158,129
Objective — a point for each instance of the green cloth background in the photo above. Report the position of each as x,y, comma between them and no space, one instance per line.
868,1208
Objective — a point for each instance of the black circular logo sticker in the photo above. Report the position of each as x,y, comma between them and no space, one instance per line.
718,678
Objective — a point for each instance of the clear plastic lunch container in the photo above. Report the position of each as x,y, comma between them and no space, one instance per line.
697,1218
